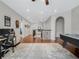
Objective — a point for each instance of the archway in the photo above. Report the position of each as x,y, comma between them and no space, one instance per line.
59,27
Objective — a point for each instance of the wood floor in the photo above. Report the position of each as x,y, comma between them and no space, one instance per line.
29,39
70,47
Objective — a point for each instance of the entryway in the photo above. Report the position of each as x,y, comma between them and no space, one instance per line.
59,27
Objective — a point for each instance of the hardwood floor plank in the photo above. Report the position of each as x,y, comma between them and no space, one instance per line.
29,39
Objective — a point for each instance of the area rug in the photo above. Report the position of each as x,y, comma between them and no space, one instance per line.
40,51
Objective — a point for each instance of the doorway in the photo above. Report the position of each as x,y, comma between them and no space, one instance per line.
59,27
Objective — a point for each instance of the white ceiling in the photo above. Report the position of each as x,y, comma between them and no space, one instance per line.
37,11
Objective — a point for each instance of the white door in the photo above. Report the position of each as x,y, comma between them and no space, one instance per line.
59,26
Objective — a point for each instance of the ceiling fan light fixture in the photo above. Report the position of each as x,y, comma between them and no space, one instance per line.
47,2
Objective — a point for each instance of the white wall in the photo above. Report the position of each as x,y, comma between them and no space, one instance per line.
47,26
67,25
75,20
6,11
51,23
25,30
34,26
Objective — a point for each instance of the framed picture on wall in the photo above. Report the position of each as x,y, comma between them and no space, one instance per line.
17,23
7,21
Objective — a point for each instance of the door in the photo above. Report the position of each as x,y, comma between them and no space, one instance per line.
59,26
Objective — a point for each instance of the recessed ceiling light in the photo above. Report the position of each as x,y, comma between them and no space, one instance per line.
28,10
55,10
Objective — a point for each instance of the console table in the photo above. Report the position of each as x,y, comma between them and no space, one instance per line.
71,38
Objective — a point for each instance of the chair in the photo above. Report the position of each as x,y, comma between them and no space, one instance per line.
8,43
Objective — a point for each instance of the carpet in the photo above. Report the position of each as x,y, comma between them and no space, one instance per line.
39,51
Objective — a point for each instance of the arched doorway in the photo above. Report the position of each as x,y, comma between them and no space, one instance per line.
59,27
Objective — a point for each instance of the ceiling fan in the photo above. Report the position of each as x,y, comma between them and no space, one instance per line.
46,2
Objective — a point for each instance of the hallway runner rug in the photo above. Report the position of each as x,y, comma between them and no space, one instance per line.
39,51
